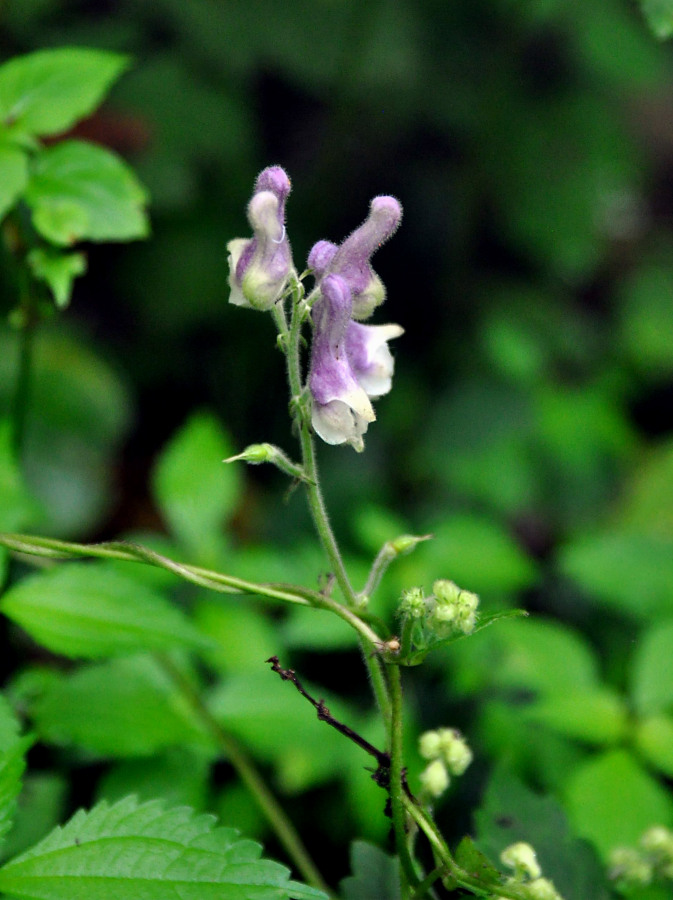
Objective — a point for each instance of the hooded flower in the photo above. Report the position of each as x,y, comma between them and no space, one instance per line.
341,408
351,259
259,267
370,359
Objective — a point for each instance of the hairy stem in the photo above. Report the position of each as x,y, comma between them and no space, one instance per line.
397,786
252,779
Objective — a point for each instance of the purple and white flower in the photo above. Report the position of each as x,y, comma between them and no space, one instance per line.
259,267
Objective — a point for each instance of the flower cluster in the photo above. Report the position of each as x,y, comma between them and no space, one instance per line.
527,875
448,753
350,362
650,862
448,610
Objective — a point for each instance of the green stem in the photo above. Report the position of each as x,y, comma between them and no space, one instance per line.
314,494
443,855
397,790
251,778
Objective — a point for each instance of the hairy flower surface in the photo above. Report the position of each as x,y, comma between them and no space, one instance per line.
341,408
259,267
351,259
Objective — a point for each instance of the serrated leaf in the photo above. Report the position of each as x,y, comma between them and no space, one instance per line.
80,191
91,611
510,812
611,800
375,874
14,168
13,750
659,16
194,490
127,707
58,270
127,851
46,92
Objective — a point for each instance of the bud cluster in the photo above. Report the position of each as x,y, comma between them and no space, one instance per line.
448,611
449,754
521,857
649,862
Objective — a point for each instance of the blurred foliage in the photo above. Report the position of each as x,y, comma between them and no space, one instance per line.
530,428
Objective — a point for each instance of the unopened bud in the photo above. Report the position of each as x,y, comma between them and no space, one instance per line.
256,454
521,857
543,889
435,778
413,603
405,543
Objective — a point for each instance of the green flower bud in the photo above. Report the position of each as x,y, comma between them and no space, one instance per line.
630,866
454,750
413,603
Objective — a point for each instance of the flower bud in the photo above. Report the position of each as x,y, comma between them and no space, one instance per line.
543,889
259,268
413,603
454,750
521,857
430,745
434,778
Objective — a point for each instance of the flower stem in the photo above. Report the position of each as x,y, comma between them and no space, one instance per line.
397,788
252,779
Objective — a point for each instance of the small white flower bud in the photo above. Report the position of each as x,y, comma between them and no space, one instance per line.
521,857
430,745
543,889
629,865
455,752
435,778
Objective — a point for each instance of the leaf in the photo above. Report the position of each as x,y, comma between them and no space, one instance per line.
631,572
596,716
194,490
611,800
375,874
470,858
13,749
40,808
652,669
14,168
127,707
127,851
46,92
17,507
510,812
654,741
79,191
659,16
58,270
91,610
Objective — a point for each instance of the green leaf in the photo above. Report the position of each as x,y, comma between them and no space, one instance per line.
631,572
659,16
195,491
13,750
595,716
79,191
654,741
179,776
58,270
14,168
127,851
17,507
46,92
511,812
91,611
611,800
470,858
375,874
121,708
40,808
652,669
